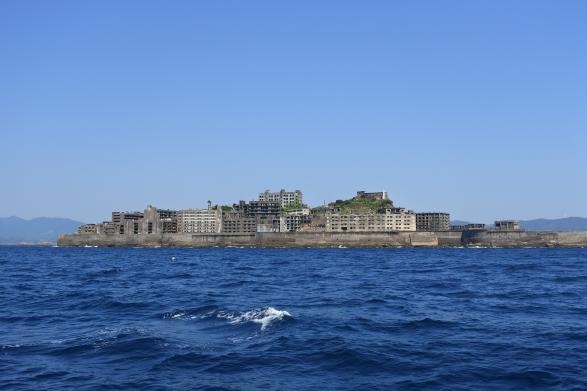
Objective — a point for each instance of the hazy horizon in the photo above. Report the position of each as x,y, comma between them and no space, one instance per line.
476,109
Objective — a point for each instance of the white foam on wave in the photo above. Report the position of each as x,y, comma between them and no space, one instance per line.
10,346
263,316
179,315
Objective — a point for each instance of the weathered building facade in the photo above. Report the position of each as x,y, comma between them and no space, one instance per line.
237,223
508,225
293,222
199,220
392,219
258,209
283,198
433,221
87,229
378,195
119,217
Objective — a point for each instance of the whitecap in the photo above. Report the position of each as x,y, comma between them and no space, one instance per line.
263,316
10,346
177,315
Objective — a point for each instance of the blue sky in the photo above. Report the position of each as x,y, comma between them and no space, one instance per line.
476,108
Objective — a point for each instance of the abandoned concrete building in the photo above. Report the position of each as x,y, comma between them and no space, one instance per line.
283,197
433,221
378,195
392,219
508,225
199,220
258,209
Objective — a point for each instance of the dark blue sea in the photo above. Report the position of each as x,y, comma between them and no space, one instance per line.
301,319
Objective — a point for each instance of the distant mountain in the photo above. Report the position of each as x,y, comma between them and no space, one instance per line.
564,224
42,229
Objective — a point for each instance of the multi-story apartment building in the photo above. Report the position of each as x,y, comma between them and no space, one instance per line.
258,209
152,220
130,227
269,224
107,228
166,213
283,197
199,220
391,219
294,219
169,226
119,217
236,223
293,222
167,221
159,220
432,221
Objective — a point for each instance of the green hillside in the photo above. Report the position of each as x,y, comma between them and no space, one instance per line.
361,205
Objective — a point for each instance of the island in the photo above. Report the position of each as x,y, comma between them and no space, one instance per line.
281,219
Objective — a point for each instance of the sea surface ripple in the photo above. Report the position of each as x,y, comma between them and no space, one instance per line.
327,319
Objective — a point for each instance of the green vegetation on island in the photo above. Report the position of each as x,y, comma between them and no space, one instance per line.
361,204
292,206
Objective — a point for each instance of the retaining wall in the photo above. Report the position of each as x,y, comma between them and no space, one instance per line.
336,239
260,239
525,239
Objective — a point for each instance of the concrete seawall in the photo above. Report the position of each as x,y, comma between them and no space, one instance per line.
261,239
336,239
524,239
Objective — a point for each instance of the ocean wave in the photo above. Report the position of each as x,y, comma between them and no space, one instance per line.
402,325
531,378
104,272
428,323
10,346
579,278
348,319
109,304
190,313
109,341
265,316
345,359
26,318
236,283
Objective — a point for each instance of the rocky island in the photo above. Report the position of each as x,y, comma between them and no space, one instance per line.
281,219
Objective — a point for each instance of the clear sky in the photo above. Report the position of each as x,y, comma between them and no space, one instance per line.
478,108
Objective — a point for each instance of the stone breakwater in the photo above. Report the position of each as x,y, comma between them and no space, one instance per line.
336,239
